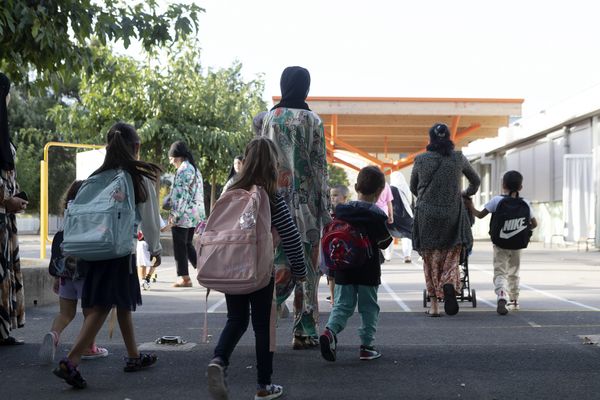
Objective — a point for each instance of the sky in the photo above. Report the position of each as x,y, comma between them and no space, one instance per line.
545,52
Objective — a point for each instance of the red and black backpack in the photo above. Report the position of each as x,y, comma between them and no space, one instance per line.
344,246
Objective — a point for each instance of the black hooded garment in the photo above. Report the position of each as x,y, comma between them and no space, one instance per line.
295,84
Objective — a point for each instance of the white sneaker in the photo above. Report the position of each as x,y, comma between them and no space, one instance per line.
501,307
269,392
146,285
48,348
513,305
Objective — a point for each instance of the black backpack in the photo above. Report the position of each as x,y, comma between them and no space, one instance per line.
62,266
510,227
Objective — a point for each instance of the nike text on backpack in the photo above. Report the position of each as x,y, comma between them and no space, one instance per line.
235,251
100,222
344,246
510,226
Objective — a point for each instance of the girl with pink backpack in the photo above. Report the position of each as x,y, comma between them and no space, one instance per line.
259,169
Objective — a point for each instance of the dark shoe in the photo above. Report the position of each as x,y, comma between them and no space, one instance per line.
501,308
268,392
328,343
143,361
70,373
450,303
215,372
11,341
369,353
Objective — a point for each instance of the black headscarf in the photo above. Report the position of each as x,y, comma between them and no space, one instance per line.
295,84
7,161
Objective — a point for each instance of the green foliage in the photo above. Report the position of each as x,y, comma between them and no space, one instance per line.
31,130
52,37
212,111
337,176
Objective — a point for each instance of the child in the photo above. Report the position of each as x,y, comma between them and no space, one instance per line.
114,282
507,261
69,292
338,195
259,168
144,260
359,285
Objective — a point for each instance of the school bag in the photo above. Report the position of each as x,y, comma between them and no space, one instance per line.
344,246
235,250
100,222
510,226
62,266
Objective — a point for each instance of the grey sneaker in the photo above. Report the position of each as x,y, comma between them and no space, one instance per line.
266,392
215,373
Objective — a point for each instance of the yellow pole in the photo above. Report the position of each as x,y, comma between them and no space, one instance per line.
44,239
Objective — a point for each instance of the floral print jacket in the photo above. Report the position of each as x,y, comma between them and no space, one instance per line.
187,197
303,180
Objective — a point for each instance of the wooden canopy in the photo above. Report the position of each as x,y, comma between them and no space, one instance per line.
397,127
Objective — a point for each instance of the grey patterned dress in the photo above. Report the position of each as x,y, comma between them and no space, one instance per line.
441,219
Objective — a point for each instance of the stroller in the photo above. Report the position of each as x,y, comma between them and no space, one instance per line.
466,293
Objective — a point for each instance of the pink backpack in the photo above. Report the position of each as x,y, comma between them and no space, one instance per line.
235,251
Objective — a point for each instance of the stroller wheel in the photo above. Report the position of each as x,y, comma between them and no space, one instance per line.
425,298
473,298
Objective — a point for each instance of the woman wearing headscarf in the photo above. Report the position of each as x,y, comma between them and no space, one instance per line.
12,303
442,227
298,133
187,209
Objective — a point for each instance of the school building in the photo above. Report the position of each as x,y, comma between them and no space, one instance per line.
557,151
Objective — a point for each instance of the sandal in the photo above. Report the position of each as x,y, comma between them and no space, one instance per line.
11,341
183,284
69,372
450,303
143,361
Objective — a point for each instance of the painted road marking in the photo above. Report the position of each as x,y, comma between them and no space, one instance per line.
398,300
542,292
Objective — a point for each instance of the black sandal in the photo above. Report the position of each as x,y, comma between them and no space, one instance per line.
450,303
143,361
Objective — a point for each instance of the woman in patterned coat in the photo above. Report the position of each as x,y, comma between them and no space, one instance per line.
298,134
187,209
442,227
12,303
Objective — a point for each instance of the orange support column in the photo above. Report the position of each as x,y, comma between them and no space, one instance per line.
454,126
334,127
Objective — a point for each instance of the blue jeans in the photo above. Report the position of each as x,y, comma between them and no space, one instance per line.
346,298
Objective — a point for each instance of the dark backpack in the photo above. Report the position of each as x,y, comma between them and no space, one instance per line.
62,266
510,226
344,246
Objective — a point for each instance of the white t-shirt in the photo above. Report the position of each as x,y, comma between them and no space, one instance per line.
492,205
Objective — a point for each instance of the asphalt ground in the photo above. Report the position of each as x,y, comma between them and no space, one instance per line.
535,353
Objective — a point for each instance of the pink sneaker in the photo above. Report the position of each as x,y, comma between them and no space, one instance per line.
95,352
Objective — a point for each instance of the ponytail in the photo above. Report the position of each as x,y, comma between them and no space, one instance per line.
122,140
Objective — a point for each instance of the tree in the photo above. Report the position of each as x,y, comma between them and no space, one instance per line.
31,129
337,176
212,111
52,37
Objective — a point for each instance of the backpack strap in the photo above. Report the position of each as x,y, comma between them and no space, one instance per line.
205,329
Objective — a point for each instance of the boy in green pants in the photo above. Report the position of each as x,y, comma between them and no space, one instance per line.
358,284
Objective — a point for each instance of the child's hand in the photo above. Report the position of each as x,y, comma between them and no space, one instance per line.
166,228
300,279
56,285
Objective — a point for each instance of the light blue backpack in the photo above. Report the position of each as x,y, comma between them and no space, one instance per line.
100,222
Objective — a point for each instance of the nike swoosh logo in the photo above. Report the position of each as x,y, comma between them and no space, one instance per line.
508,235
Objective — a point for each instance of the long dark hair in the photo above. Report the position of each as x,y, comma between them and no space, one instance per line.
180,149
260,167
71,193
232,172
439,140
7,161
121,142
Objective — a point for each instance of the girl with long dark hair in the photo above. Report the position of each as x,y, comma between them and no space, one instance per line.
115,282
